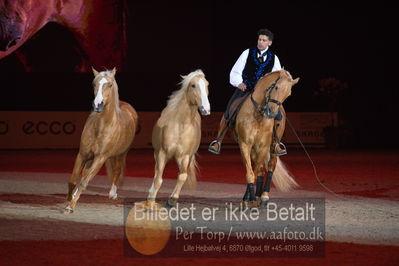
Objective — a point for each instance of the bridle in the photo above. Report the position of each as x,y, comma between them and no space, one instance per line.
264,107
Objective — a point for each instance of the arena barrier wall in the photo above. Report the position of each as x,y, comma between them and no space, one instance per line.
62,130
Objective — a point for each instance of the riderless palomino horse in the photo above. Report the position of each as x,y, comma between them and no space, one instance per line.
106,138
99,27
256,134
177,133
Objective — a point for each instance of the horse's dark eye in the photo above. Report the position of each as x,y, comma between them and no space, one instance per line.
192,86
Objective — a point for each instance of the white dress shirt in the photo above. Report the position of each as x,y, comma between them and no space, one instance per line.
236,71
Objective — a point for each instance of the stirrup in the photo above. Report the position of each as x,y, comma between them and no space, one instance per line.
283,150
211,148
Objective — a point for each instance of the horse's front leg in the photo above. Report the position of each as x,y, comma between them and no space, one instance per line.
183,163
77,170
249,196
160,162
259,159
259,184
88,175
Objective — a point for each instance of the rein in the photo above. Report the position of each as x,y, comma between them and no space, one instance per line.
264,108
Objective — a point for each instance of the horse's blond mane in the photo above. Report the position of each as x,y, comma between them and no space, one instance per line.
177,96
268,75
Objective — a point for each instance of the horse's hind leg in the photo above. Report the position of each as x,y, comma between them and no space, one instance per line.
77,170
258,155
271,166
182,163
160,162
115,167
259,177
259,184
87,175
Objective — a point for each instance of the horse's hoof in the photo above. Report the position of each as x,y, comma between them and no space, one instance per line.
150,204
67,210
113,192
113,197
258,201
171,202
253,204
264,200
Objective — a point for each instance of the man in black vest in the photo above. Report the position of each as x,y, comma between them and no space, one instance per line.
252,64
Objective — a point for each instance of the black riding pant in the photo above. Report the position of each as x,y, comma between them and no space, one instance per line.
237,94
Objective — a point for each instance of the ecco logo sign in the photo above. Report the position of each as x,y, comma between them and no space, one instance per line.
3,127
43,127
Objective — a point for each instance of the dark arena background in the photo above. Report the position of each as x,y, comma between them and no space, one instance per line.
344,110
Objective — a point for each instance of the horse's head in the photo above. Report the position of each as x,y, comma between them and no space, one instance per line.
13,22
105,89
197,92
277,92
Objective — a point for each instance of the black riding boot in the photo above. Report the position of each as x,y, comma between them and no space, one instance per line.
280,148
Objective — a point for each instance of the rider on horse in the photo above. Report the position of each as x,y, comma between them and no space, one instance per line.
252,64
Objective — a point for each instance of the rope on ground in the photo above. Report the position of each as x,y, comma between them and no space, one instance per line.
346,198
313,165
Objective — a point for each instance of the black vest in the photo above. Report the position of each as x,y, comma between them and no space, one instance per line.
254,70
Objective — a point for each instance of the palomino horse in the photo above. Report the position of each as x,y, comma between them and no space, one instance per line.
177,133
99,27
254,131
106,138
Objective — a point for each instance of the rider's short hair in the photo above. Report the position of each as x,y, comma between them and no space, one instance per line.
266,32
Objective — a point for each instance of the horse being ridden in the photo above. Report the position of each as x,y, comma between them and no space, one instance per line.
256,135
106,138
99,28
177,133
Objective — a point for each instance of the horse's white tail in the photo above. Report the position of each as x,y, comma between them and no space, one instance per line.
282,178
191,181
